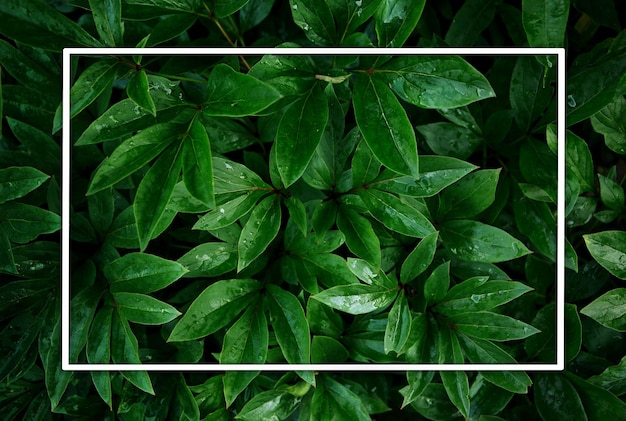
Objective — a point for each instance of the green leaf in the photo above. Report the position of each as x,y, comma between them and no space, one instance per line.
478,294
469,22
474,241
132,155
469,196
454,382
143,309
436,173
434,404
107,16
82,310
37,24
539,166
99,351
595,87
360,237
437,284
101,210
598,403
395,214
385,125
418,381
449,139
91,83
323,320
269,404
23,68
315,19
420,258
555,397
170,27
357,299
297,213
336,401
56,379
436,81
365,166
491,326
7,261
225,8
23,223
609,309
260,230
611,193
297,136
396,20
579,161
125,349
545,22
209,260
325,349
528,94
138,91
16,182
348,16
609,249
198,164
481,351
233,94
142,273
154,193
290,325
226,214
246,341
613,379
535,220
216,307
607,122
398,325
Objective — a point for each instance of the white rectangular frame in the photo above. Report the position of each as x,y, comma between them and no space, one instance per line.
560,275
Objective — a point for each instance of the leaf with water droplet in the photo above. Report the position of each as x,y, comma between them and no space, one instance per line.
357,299
259,231
609,249
491,326
609,309
144,309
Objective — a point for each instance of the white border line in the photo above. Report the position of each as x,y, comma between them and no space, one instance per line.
65,207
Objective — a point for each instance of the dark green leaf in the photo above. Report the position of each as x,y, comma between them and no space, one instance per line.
607,122
396,20
579,162
545,22
23,68
385,125
395,214
28,104
82,310
357,299
37,24
170,27
323,320
477,242
418,381
325,349
609,249
217,306
434,404
233,94
125,349
436,173
143,309
269,404
349,16
420,258
107,16
138,91
226,214
529,96
197,164
91,83
297,136
142,273
154,192
556,398
297,213
613,379
535,220
437,81
469,196
455,382
492,326
101,209
23,223
315,19
209,259
469,22
608,309
437,284
398,325
360,237
260,230
225,8
598,403
449,139
290,325
611,193
16,182
365,166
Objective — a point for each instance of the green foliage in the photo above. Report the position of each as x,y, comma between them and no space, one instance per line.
312,209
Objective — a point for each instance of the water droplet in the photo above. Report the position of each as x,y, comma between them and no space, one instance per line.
571,101
294,7
475,298
358,2
306,27
222,210
228,166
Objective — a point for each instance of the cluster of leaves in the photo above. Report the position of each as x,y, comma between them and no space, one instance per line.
301,209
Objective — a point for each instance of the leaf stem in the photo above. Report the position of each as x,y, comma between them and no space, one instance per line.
224,33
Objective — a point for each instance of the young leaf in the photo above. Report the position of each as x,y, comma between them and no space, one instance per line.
609,249
608,309
420,258
133,154
198,165
233,94
298,136
437,284
16,182
143,309
436,81
607,122
360,237
474,241
107,16
357,299
395,214
216,307
469,196
91,83
290,325
154,192
261,228
385,125
23,223
138,90
396,20
491,326
545,22
398,326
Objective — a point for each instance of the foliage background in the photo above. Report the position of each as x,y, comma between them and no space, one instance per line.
33,385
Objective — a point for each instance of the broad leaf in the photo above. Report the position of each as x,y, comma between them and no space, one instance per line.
609,249
360,237
385,125
315,19
260,230
556,398
269,404
16,182
138,90
357,299
216,307
492,326
469,22
545,22
579,161
396,20
91,83
23,223
469,196
607,122
608,309
420,258
474,241
143,309
107,16
209,259
290,325
142,273
398,325
449,139
437,284
198,165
